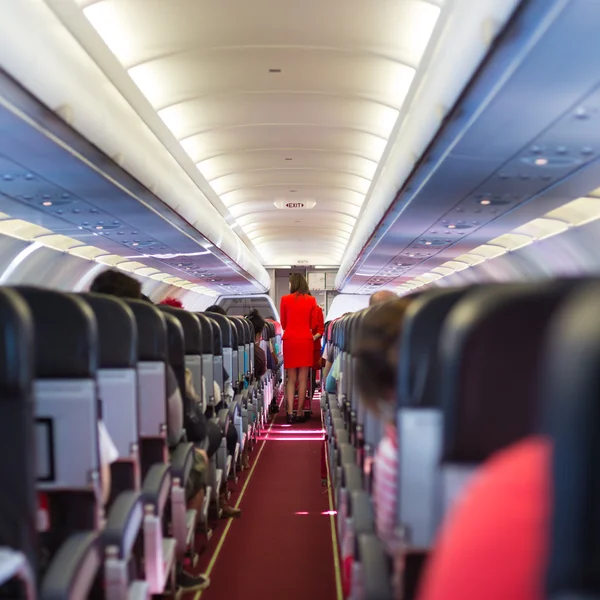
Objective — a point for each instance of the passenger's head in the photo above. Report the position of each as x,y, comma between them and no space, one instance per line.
376,351
298,284
257,322
219,310
116,283
381,296
145,298
174,302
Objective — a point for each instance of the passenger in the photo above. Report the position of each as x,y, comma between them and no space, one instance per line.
494,542
382,296
333,376
119,284
376,352
174,302
298,319
108,455
318,352
260,358
222,400
219,310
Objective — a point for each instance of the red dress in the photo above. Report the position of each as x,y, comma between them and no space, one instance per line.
320,328
298,318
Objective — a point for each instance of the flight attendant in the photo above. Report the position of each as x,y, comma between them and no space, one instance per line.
298,312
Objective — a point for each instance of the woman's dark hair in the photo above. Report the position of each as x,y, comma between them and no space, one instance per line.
298,284
145,298
375,349
115,283
257,321
219,310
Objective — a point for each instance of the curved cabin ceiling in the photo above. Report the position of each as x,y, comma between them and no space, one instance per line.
291,103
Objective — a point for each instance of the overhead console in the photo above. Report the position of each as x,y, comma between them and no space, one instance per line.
98,173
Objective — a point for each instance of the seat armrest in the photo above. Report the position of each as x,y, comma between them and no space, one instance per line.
124,523
182,461
73,570
362,512
157,486
376,568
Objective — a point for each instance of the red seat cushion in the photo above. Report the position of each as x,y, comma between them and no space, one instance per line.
493,545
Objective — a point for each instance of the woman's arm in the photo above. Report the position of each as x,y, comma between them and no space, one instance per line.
283,312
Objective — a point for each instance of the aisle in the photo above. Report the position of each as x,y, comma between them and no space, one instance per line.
281,547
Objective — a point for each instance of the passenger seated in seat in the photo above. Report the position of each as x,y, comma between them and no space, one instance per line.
382,296
216,309
333,376
214,441
108,455
376,352
119,284
494,541
260,359
227,393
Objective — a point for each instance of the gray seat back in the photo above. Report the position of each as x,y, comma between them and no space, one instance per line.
18,503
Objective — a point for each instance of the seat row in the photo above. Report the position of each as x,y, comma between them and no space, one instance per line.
73,364
480,370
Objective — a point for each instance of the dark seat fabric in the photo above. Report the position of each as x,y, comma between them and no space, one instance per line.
117,331
571,418
72,355
491,351
418,365
18,504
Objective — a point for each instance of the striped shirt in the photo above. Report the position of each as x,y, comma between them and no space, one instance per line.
385,489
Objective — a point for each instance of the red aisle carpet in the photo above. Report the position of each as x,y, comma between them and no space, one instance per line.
281,547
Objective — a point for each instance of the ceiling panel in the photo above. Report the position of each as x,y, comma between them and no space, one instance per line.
275,102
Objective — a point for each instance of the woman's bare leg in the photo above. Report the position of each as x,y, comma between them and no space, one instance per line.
290,389
302,387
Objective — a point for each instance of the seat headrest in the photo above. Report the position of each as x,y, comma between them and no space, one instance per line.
152,331
418,369
117,331
191,328
206,328
65,334
217,347
237,326
176,348
570,415
224,325
490,354
272,329
175,340
16,347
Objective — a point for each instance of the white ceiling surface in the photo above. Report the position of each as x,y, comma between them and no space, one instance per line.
45,56
346,67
